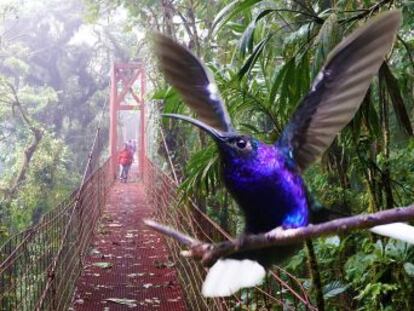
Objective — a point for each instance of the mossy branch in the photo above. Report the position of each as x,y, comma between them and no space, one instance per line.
208,253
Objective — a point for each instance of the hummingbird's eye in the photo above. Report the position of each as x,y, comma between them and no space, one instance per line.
241,143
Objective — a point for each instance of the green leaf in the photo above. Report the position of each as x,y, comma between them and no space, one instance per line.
287,88
409,268
277,79
253,57
326,39
253,129
298,36
370,115
246,41
231,10
247,38
334,289
374,290
396,99
263,14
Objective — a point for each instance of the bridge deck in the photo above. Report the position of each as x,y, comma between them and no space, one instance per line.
128,267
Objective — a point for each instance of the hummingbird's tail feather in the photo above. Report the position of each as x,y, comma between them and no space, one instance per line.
396,230
229,275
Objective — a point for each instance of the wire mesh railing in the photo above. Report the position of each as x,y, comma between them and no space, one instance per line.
39,267
281,290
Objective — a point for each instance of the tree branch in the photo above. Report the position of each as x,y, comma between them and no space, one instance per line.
367,12
29,151
208,253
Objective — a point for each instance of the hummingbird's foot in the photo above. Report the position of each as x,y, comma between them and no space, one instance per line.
239,242
276,231
282,233
197,250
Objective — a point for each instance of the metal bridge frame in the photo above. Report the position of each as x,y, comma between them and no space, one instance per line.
123,78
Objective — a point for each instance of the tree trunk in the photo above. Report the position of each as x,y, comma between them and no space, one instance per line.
386,176
315,275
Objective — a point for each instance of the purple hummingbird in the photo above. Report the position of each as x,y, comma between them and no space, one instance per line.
265,180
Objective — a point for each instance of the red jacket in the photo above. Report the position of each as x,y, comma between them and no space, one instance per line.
125,157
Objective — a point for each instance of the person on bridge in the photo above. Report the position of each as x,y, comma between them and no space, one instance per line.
125,160
132,147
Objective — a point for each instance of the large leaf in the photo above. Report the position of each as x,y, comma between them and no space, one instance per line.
326,40
409,268
246,40
202,172
278,78
370,115
333,289
254,56
231,10
397,101
171,99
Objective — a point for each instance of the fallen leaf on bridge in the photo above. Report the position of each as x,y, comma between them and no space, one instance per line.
123,301
104,286
115,225
161,265
95,252
133,275
103,265
154,300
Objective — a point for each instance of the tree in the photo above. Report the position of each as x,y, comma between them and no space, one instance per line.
54,85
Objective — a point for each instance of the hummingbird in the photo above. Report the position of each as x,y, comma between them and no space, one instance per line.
266,179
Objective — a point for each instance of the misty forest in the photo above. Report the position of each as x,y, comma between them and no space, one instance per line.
55,80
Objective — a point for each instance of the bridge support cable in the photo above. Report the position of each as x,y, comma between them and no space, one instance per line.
124,97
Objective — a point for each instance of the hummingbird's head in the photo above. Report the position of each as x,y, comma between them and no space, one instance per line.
237,145
230,144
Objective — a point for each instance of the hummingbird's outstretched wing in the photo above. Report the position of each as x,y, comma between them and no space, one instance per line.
339,89
188,75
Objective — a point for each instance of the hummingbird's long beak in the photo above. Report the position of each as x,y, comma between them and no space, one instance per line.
217,135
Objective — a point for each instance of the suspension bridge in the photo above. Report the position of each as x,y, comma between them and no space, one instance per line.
92,251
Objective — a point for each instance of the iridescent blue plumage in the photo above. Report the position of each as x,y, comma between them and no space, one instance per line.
265,180
270,192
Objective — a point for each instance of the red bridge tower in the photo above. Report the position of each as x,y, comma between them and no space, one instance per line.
127,84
